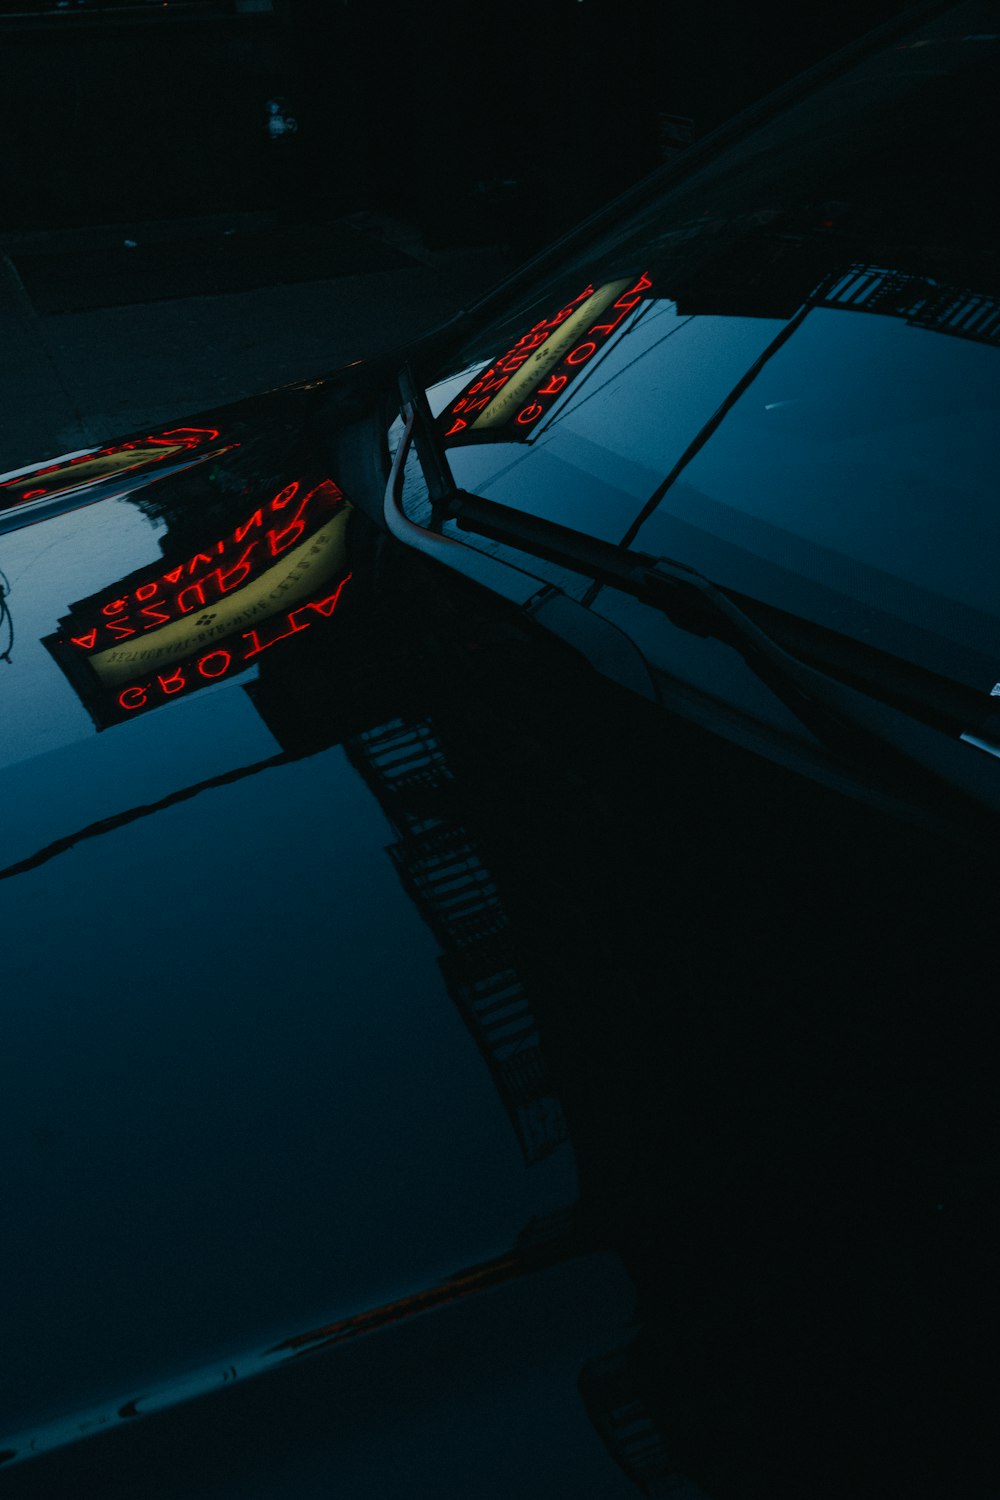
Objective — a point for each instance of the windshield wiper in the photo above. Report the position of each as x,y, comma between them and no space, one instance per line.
823,677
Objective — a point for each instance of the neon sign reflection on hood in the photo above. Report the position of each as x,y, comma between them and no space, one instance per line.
164,632
507,400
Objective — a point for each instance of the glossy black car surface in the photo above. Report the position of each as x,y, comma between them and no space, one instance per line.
776,375
498,869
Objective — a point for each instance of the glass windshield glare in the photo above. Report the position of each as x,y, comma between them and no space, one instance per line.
835,292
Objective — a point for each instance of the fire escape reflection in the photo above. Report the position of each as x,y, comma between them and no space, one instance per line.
921,301
405,766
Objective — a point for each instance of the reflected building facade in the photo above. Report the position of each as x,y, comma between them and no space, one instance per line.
612,1390
439,863
921,301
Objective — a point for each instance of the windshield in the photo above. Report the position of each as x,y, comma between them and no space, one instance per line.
800,399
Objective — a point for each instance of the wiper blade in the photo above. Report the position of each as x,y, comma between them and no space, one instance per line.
938,701
825,705
828,681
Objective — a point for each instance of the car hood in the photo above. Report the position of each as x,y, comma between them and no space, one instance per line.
382,986
272,1075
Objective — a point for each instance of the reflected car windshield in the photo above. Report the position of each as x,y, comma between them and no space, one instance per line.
852,480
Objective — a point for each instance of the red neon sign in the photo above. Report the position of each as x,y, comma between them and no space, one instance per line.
504,402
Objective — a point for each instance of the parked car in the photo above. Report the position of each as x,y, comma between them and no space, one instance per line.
499,867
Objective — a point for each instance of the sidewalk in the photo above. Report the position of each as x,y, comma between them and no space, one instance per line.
72,378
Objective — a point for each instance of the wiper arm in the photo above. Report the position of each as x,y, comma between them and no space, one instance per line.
430,445
828,698
563,545
819,701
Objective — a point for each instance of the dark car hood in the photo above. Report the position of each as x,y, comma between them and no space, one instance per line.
272,1076
382,961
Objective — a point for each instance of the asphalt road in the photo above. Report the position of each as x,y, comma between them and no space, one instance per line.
102,337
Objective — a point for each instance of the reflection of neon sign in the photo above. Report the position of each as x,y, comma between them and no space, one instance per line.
227,661
508,399
101,463
222,568
177,629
